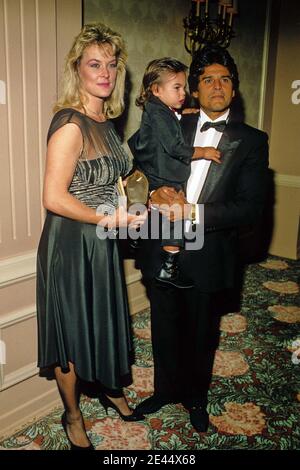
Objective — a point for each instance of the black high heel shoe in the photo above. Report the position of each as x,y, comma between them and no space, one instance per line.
73,446
107,403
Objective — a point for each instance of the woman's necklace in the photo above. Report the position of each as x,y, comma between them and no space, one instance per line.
100,116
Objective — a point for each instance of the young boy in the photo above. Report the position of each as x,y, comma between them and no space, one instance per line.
159,148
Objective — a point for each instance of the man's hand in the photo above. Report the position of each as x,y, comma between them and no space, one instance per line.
170,203
163,195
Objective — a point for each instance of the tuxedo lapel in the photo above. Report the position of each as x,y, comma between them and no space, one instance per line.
227,146
188,125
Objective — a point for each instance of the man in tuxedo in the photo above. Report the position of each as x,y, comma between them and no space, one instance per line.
185,323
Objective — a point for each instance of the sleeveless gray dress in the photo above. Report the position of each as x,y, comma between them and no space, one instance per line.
82,306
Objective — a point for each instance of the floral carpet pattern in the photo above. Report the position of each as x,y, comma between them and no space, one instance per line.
254,399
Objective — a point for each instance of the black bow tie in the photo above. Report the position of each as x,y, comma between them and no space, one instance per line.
219,126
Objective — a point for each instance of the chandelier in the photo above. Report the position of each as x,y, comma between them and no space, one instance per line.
209,22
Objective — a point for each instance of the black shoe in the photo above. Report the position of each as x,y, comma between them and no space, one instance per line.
73,446
169,271
151,405
107,403
199,418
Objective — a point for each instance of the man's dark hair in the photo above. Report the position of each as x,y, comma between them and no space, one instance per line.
210,55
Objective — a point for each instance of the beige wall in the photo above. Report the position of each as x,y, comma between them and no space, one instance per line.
282,123
34,38
284,132
27,29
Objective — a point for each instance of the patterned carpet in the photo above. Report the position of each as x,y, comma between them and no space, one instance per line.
254,400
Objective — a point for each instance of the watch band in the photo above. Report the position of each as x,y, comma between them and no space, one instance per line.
193,213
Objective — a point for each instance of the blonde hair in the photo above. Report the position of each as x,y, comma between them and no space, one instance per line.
154,73
71,95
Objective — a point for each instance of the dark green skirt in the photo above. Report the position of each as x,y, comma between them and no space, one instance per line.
82,306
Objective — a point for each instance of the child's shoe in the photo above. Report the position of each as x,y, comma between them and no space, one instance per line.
169,271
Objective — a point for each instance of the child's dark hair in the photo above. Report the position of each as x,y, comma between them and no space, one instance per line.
153,75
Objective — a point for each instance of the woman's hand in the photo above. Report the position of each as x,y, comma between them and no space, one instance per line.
122,218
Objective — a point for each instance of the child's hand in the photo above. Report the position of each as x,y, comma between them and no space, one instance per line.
210,153
190,110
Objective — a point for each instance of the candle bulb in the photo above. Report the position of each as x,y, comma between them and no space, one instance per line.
198,9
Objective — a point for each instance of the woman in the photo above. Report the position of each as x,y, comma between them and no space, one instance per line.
82,305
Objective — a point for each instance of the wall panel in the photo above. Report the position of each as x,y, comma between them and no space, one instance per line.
34,35
28,30
283,126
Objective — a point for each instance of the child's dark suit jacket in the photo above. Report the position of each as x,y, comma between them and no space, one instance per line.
159,148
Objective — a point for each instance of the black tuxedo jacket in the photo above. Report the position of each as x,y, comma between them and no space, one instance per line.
233,195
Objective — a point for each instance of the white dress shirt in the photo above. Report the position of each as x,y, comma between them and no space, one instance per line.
199,168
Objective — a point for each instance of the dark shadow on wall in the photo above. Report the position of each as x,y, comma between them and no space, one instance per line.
253,246
121,121
237,108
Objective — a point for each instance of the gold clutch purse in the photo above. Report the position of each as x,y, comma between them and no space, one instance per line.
136,189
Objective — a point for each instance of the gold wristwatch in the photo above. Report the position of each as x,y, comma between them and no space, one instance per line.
193,213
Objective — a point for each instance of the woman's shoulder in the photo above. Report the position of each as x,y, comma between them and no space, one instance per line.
66,116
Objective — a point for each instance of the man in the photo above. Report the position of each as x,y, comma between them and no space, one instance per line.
185,324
